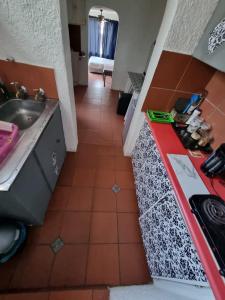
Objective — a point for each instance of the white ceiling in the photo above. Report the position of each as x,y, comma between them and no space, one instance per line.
107,13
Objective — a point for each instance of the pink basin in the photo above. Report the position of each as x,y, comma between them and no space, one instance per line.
7,141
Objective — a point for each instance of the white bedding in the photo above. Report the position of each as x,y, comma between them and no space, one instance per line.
98,64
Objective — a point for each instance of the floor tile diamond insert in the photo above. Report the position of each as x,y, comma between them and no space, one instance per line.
116,188
57,245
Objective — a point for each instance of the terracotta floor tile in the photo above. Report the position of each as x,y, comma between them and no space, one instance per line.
128,228
80,199
125,179
106,150
118,150
105,179
84,177
104,200
126,201
133,265
76,227
90,136
59,198
67,172
49,231
106,162
34,267
101,294
87,150
123,164
69,268
6,272
104,228
26,296
103,265
71,295
83,161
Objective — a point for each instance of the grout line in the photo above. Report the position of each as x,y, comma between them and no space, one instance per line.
172,90
185,71
87,243
118,246
89,238
215,107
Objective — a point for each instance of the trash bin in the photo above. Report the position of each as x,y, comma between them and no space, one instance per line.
123,103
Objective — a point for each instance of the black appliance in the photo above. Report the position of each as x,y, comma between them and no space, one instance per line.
210,213
215,163
123,103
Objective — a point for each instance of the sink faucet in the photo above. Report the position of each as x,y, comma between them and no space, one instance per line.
21,91
40,95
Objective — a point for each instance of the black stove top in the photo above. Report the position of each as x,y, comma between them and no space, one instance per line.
210,213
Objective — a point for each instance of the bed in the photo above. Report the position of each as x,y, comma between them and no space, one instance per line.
100,64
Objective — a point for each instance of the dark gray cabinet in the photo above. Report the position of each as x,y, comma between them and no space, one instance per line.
28,197
50,150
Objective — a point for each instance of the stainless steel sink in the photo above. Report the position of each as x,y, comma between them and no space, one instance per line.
23,113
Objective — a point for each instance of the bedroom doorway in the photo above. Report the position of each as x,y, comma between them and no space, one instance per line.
103,26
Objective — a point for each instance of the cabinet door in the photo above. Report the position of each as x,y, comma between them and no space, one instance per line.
28,197
151,178
169,249
152,182
51,150
142,148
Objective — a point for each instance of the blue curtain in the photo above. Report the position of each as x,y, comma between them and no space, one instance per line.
109,39
93,36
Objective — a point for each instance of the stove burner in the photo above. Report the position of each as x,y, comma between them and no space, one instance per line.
215,211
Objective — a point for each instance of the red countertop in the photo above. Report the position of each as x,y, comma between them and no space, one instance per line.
168,142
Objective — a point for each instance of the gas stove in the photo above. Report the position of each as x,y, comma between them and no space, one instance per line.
210,213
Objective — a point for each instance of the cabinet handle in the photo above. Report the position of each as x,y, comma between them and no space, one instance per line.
58,141
54,158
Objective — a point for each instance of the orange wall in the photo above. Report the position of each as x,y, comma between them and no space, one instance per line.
214,107
32,77
177,75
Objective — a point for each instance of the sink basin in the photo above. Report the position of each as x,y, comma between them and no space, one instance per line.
23,113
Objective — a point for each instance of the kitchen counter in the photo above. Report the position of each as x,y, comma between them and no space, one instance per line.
168,143
137,80
14,162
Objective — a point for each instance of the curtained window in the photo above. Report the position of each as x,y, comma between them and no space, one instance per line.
93,36
102,42
109,39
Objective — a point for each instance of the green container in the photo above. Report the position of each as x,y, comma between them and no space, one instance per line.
160,116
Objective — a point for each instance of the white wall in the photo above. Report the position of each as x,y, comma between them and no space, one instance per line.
139,22
188,25
76,11
36,32
183,23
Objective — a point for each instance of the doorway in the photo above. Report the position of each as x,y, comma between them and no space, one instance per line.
103,26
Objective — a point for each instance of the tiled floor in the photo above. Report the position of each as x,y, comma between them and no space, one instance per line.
99,228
